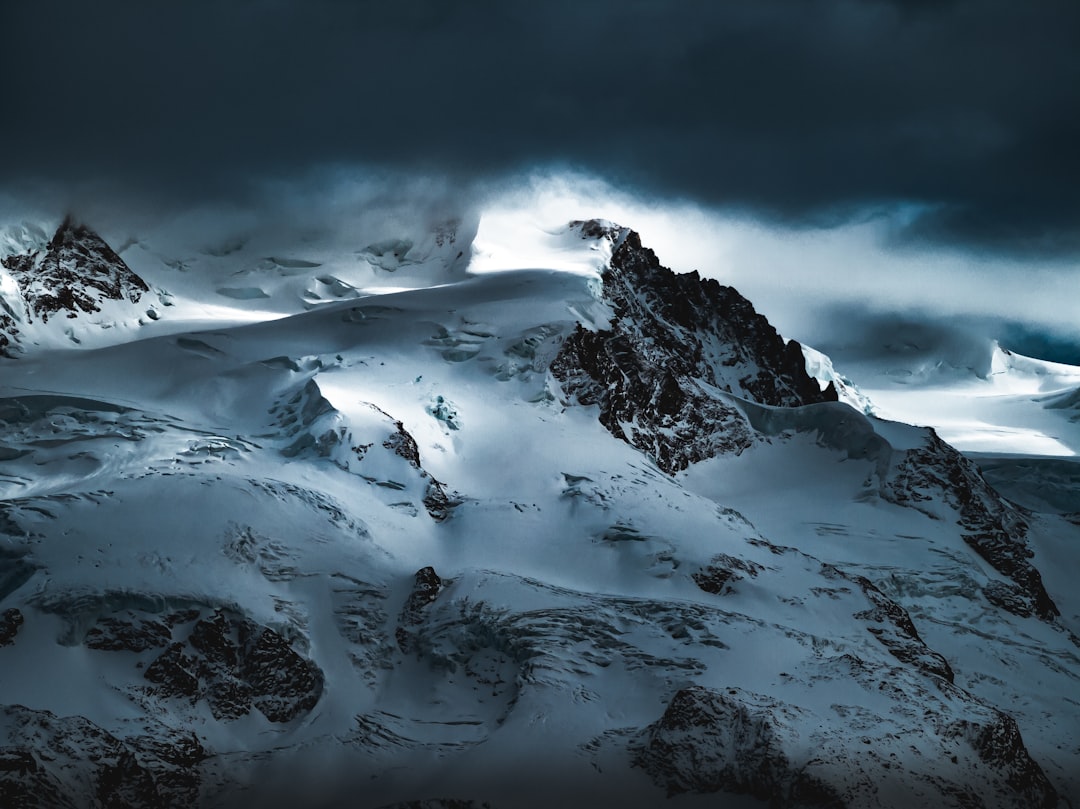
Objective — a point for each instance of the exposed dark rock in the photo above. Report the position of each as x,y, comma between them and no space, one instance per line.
214,637
402,443
436,500
993,527
722,572
181,617
52,761
134,635
181,754
999,745
19,761
75,273
236,665
27,784
676,340
10,621
710,741
175,673
893,627
426,588
731,740
228,696
1008,597
715,580
283,684
124,782
9,336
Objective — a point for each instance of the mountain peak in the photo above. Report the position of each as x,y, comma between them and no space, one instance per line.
71,230
673,340
76,273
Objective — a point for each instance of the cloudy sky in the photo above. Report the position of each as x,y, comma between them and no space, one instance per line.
871,137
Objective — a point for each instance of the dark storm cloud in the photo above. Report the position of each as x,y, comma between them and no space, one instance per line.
798,110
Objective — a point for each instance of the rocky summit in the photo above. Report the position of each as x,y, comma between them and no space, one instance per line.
75,274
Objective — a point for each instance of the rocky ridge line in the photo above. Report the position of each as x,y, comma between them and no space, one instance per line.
74,274
674,343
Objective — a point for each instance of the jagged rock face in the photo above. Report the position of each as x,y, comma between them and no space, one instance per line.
52,761
9,335
231,662
708,741
999,746
992,527
137,634
76,273
721,574
732,740
10,621
675,341
426,589
894,629
437,502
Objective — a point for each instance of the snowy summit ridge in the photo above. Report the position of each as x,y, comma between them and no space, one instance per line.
573,530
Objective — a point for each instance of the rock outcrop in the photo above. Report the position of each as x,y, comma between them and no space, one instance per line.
426,588
674,343
710,741
10,621
990,525
231,662
731,740
51,761
74,274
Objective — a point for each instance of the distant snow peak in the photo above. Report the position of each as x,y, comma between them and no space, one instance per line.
75,273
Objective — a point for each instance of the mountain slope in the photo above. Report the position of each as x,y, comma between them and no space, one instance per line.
386,553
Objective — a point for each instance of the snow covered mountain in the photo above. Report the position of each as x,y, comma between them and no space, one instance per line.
527,537
76,273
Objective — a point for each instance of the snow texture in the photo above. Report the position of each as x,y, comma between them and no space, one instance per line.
555,527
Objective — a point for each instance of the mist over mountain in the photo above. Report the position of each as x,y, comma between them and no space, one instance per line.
791,112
